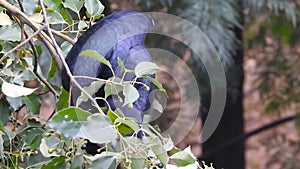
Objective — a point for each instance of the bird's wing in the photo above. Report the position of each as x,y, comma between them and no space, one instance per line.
103,37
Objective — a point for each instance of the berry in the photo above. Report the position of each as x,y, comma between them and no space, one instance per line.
50,150
58,151
22,159
160,165
130,106
84,146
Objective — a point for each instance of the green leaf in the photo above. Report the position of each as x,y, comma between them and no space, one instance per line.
95,55
15,103
33,104
69,121
105,162
77,123
112,115
67,16
82,25
74,5
54,17
49,143
33,137
126,125
1,147
14,91
54,4
6,111
112,88
11,135
52,70
120,63
66,47
137,162
29,6
159,151
98,129
63,100
145,68
57,163
77,162
94,7
131,94
10,33
156,83
37,18
184,158
91,90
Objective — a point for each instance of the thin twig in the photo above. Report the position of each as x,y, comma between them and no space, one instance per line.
21,16
35,56
97,79
21,44
34,26
58,51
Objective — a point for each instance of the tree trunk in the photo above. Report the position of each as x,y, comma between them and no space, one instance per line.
232,123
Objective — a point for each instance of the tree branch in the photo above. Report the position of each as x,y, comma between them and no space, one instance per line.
58,51
245,136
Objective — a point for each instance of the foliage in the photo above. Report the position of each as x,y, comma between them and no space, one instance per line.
277,31
31,54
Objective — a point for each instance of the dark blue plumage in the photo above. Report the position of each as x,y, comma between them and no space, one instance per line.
119,35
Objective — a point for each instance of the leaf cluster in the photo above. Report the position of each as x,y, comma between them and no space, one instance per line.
31,57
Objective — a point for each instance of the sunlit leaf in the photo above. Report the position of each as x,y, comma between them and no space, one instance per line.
77,123
5,20
91,90
49,143
82,25
131,94
94,7
95,55
98,129
145,68
14,91
36,17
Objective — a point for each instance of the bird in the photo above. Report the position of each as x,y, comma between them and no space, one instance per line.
119,35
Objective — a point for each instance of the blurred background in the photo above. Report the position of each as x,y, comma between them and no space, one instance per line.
258,43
